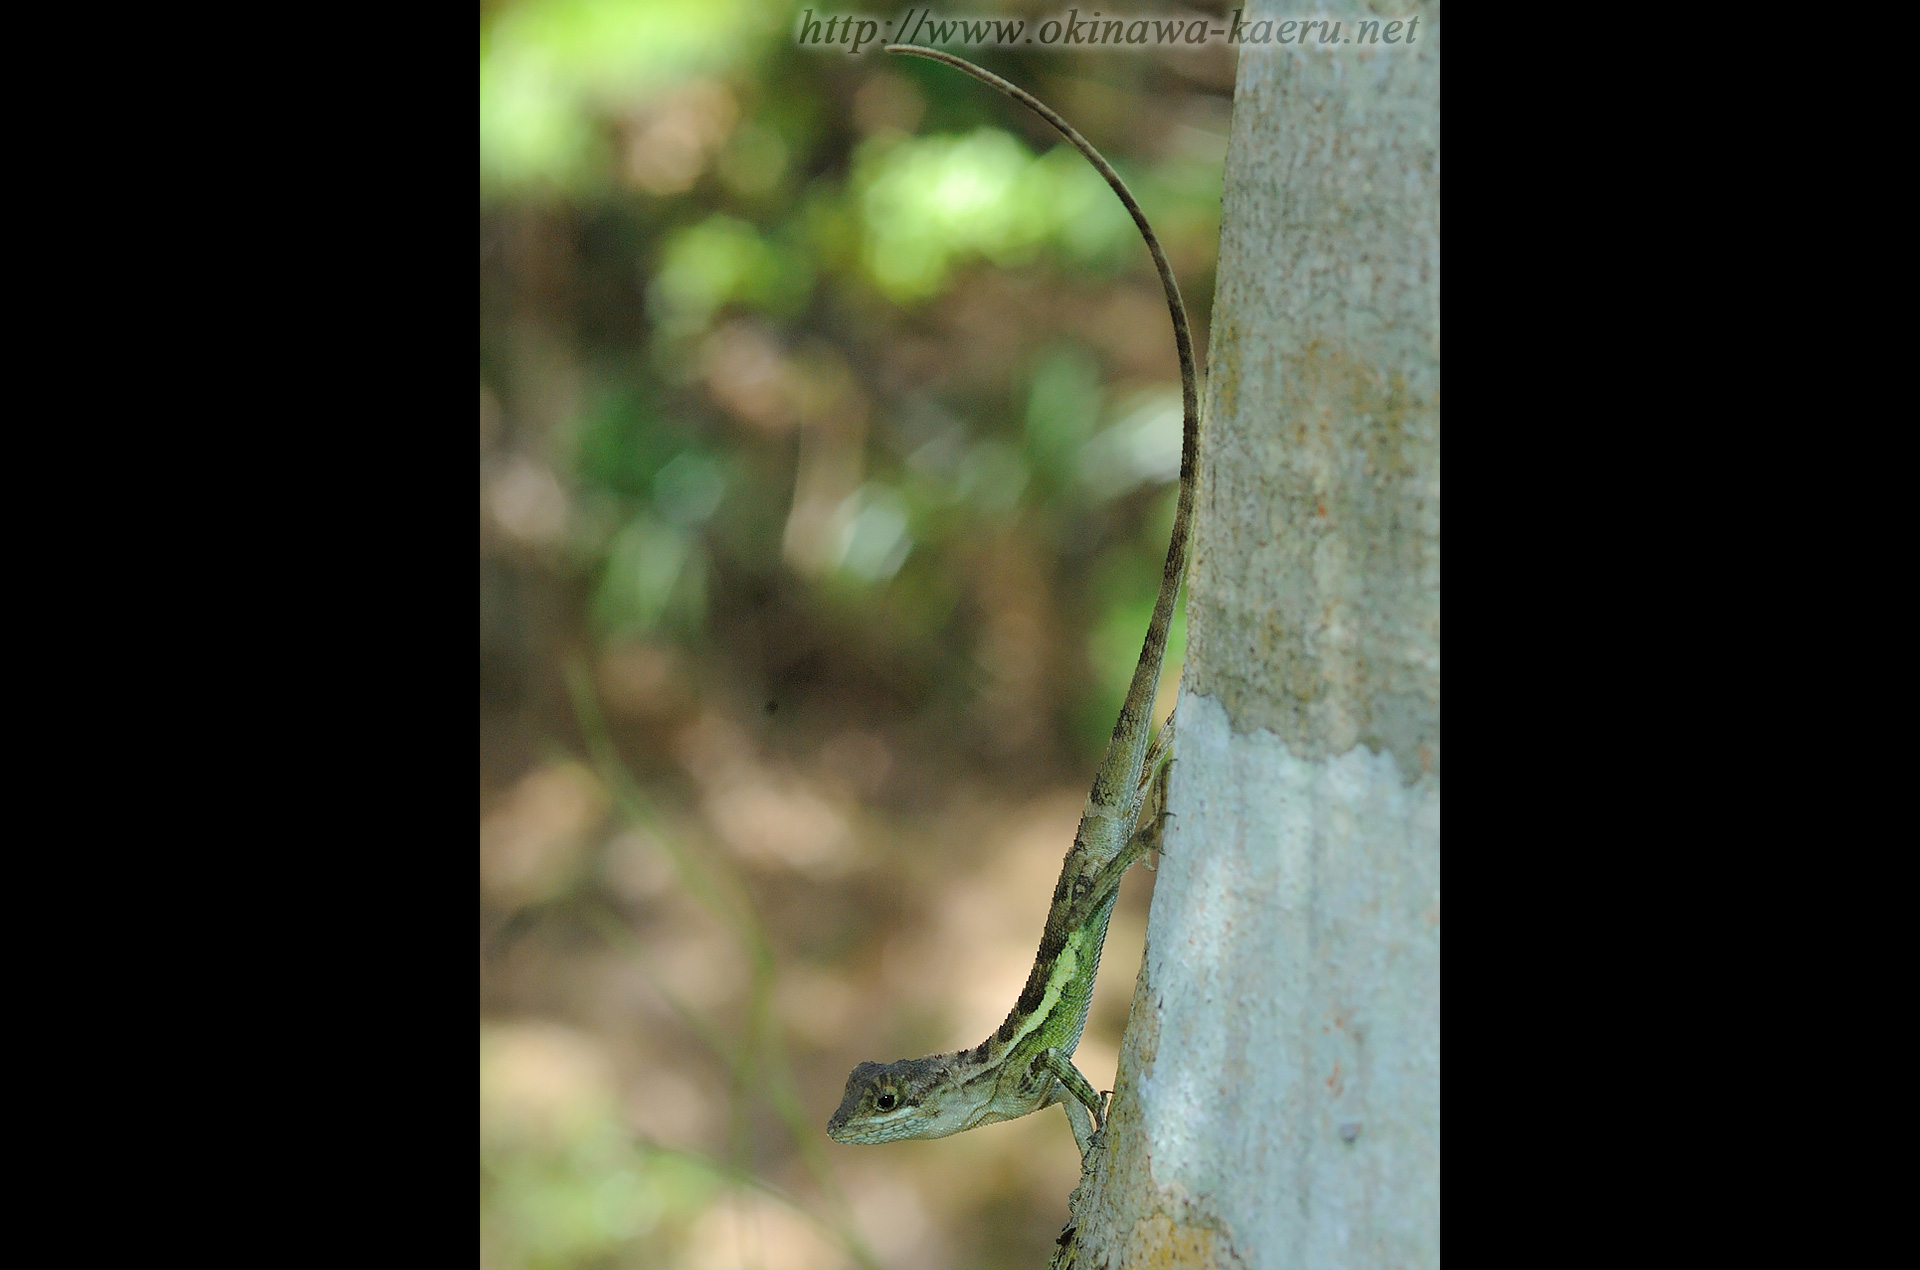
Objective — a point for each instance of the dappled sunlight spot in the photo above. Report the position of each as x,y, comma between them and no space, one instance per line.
928,201
748,376
976,186
527,502
672,138
621,47
635,864
541,1081
748,1228
833,413
712,747
866,535
772,821
531,131
765,815
531,844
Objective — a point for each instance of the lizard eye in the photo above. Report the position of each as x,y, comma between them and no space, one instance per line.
887,1101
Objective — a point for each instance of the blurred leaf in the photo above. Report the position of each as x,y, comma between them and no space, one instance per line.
875,542
755,161
620,442
546,65
652,570
689,489
720,261
531,131
929,202
1142,446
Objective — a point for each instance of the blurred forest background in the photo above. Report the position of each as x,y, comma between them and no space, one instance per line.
828,423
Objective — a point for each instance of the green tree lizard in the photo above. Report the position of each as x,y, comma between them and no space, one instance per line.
1027,1063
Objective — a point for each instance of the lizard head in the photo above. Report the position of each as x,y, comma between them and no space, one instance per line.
910,1098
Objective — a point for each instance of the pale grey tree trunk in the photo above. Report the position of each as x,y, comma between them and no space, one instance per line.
1279,1084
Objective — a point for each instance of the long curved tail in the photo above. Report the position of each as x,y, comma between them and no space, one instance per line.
1119,778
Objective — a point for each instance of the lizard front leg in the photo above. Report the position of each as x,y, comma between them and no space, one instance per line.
1052,1060
1082,1124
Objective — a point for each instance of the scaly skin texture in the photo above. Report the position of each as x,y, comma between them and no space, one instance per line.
1027,1063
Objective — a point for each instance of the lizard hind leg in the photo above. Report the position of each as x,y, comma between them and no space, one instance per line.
1153,795
1150,833
1146,836
1158,753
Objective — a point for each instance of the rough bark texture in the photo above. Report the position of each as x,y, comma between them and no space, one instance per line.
1279,1085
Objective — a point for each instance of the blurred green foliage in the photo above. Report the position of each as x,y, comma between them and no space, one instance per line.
548,66
562,1183
828,402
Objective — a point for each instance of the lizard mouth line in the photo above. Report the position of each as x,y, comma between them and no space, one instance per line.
865,1134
